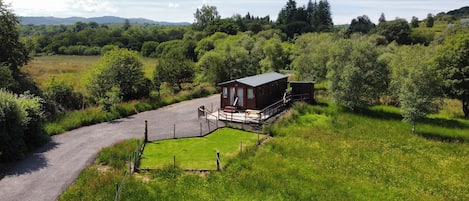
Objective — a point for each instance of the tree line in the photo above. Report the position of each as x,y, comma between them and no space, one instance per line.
363,64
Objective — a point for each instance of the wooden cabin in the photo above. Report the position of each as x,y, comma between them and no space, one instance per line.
254,92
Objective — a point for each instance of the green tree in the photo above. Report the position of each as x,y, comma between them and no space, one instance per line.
311,56
204,16
415,82
13,54
414,22
149,48
119,68
356,77
397,30
430,20
323,17
275,57
174,71
211,66
453,62
382,18
361,24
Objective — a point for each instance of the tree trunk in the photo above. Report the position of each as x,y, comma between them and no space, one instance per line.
413,127
465,107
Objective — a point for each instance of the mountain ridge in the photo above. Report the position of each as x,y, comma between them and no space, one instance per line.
100,20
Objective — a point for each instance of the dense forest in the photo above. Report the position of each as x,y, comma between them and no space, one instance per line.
413,64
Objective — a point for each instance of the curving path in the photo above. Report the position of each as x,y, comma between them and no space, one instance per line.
48,172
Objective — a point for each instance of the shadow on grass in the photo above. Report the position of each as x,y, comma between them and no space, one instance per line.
446,123
385,115
441,138
378,114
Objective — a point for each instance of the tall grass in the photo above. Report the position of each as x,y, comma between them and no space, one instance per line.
325,153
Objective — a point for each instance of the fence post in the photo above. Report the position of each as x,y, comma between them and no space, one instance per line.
130,164
218,160
174,131
241,147
258,138
117,192
146,131
200,128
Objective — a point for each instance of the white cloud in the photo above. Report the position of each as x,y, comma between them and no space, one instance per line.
173,5
93,6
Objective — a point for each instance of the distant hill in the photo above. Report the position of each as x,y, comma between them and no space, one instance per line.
460,13
99,20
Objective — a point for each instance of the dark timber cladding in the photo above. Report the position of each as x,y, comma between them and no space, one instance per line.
254,92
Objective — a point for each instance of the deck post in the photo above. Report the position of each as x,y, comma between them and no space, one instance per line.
146,131
218,161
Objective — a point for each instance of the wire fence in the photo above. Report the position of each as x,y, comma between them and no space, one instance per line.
134,161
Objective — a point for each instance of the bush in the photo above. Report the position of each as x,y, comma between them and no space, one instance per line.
21,125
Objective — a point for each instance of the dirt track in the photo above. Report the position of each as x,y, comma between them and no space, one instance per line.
47,173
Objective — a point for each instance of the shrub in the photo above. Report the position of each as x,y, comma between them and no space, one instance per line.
21,125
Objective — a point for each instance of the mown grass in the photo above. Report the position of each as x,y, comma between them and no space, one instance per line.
326,153
197,153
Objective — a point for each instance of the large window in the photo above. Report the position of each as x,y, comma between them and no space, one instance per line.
225,92
250,94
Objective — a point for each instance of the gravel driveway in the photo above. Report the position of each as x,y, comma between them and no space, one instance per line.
48,172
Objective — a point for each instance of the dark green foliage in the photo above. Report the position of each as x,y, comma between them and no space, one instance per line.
295,20
21,125
430,21
414,22
361,24
13,54
459,13
453,62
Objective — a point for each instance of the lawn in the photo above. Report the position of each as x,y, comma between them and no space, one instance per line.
197,153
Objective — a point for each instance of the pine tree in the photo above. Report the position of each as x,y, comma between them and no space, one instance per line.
382,18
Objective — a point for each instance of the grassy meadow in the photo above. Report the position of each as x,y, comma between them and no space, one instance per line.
72,69
197,153
318,153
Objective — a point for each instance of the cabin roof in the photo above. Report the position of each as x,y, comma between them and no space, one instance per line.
257,80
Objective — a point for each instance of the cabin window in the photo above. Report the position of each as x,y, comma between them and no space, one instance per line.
225,92
250,94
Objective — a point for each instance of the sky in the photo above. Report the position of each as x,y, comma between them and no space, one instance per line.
343,11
